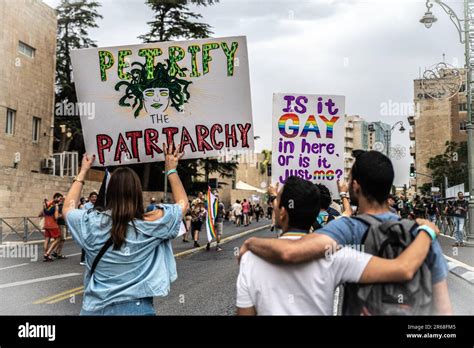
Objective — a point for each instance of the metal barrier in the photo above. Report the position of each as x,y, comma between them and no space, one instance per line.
20,229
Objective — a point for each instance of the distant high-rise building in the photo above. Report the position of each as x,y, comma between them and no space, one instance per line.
27,74
363,135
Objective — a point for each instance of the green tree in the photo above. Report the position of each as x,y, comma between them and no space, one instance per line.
75,18
266,162
452,164
174,20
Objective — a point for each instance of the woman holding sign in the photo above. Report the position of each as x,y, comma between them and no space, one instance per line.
128,252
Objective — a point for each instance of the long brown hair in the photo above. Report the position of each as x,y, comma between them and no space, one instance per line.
124,198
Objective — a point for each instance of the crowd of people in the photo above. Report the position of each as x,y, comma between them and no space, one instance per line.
448,214
322,245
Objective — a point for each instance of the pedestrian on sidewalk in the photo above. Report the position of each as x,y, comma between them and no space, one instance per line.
57,253
128,252
258,211
237,211
459,213
246,212
198,216
52,232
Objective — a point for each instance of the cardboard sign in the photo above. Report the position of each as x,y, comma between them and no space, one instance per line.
194,93
308,138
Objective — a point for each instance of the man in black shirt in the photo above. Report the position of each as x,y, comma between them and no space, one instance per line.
460,213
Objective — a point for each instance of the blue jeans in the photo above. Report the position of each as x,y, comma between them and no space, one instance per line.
139,306
459,223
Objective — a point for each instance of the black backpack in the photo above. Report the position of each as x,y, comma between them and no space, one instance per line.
388,239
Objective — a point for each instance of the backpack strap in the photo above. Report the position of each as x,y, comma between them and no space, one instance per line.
368,219
101,253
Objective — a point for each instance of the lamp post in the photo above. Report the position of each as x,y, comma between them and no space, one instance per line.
388,133
464,30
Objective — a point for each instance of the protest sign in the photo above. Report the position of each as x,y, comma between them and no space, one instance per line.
195,93
308,138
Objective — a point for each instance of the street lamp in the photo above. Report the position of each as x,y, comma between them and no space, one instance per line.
428,19
466,33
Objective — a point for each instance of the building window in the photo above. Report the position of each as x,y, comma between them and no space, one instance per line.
10,124
463,126
36,129
26,50
463,107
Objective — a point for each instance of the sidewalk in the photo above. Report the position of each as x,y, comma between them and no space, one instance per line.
460,259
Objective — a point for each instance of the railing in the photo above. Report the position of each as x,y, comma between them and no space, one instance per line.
20,229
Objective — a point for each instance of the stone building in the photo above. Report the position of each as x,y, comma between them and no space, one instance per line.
436,122
27,74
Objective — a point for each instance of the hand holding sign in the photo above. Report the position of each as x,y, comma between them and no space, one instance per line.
172,156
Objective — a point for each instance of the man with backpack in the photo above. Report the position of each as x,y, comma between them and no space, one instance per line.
370,182
308,289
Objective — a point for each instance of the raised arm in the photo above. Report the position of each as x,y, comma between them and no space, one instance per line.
310,247
343,188
73,197
172,157
405,266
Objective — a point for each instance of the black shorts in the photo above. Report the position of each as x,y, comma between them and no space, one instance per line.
196,225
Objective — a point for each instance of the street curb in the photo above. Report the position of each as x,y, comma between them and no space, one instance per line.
459,269
223,241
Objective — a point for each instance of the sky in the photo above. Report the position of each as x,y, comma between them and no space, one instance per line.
370,51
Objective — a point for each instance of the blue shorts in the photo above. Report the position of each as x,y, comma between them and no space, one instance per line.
139,306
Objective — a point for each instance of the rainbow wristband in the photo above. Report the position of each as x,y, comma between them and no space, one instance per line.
171,171
428,230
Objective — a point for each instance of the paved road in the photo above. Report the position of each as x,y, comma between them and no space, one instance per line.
205,285
32,287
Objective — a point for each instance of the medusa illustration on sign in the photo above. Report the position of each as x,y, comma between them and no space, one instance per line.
154,92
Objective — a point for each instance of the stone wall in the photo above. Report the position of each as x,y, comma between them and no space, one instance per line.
22,193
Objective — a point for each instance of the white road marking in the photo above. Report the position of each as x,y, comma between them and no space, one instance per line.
37,280
21,264
73,254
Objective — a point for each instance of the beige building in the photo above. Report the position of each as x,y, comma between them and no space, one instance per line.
27,75
436,122
249,172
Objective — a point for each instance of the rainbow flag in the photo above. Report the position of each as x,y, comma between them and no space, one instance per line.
212,205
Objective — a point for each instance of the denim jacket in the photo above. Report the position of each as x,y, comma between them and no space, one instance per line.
143,267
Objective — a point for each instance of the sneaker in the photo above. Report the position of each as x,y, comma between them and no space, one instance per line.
61,257
218,248
455,244
82,263
54,254
196,245
208,246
